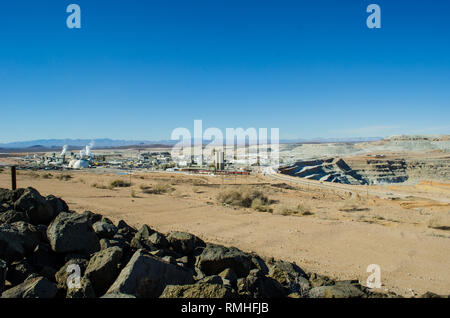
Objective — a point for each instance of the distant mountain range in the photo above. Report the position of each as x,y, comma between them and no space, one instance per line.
111,143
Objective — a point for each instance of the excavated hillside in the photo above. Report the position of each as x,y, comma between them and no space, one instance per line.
378,169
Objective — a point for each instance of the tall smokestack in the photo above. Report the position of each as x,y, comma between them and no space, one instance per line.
88,149
63,153
64,150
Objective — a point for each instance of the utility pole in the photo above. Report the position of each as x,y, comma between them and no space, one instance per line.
13,178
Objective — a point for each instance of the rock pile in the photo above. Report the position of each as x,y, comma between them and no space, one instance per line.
48,251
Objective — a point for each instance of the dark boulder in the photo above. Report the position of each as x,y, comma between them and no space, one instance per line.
36,206
58,205
92,217
146,276
214,279
19,271
33,287
158,240
103,269
216,258
137,244
256,285
184,243
339,290
5,207
71,232
107,243
229,277
6,195
290,276
85,290
126,231
105,228
45,261
199,290
317,280
259,263
68,269
144,232
12,216
17,239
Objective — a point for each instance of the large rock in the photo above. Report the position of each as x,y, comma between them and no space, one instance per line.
92,217
45,261
144,232
36,206
19,271
86,290
58,205
158,240
3,269
228,277
290,276
12,216
200,290
183,243
256,285
5,207
33,287
105,228
215,258
339,290
126,231
214,279
65,271
6,195
137,244
17,239
71,232
317,280
146,276
103,269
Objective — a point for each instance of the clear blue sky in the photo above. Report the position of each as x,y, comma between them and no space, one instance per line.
138,69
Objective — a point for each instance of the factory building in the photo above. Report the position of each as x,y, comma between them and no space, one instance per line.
219,163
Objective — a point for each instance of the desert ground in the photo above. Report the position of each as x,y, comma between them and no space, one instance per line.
335,230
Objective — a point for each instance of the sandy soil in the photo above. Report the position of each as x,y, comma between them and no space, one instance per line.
406,234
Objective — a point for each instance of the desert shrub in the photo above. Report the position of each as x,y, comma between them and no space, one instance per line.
47,176
99,186
243,197
158,188
300,209
64,177
260,206
133,194
198,182
33,174
119,184
352,207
